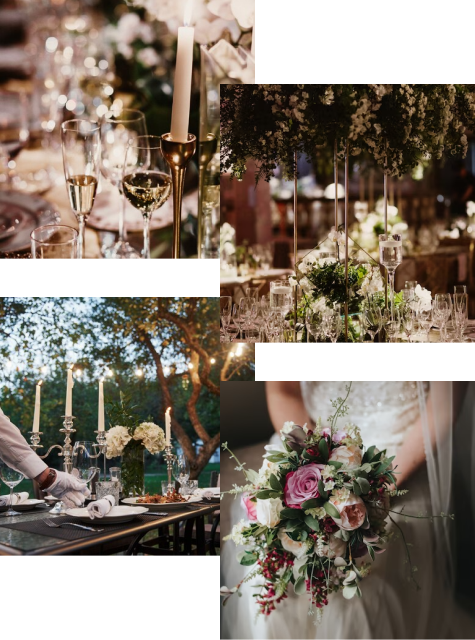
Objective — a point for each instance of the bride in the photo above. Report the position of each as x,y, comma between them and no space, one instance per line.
412,421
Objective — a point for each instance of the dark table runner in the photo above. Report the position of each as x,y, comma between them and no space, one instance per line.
74,533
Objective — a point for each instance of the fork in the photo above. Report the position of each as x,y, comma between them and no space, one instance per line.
54,525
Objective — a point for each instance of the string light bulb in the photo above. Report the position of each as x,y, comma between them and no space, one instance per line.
139,373
213,360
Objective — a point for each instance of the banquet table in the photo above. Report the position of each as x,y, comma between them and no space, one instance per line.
101,228
236,285
114,538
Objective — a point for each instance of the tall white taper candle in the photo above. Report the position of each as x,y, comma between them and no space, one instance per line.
168,424
69,393
100,425
36,417
182,84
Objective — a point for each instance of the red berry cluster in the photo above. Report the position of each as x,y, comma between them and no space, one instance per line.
270,566
378,486
317,587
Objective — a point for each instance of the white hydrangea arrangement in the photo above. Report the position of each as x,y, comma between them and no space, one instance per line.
151,435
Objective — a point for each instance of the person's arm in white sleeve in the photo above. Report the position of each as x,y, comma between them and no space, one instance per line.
16,452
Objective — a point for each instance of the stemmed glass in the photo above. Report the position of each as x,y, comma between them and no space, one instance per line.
407,319
84,460
332,325
460,314
393,324
11,477
81,143
118,128
248,309
54,241
14,126
181,470
390,256
441,316
226,307
373,320
425,322
237,319
146,180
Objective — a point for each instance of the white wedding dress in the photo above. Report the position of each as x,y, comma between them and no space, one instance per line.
391,607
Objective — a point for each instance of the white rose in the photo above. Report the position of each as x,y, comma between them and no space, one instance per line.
349,455
299,549
336,547
268,511
298,562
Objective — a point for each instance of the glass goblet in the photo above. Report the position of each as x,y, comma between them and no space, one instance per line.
390,256
84,460
54,241
11,477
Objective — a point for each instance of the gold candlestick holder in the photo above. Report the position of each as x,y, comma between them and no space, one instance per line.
169,457
178,155
206,150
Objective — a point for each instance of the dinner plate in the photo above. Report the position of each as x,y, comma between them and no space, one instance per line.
116,515
35,212
28,505
11,217
170,506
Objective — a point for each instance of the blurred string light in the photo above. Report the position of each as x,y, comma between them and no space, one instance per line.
190,366
139,373
213,360
166,371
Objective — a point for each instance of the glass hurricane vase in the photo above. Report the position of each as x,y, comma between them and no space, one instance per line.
133,470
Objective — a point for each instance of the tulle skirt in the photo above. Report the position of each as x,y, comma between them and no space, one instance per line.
391,606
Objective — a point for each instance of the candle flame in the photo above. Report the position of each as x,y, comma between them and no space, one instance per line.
188,12
71,367
102,379
168,411
40,383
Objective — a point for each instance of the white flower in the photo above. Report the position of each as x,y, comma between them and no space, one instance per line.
350,456
148,57
299,549
152,436
422,299
317,512
268,511
288,426
319,306
116,439
237,533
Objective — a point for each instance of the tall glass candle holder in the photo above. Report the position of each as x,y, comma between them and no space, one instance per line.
390,256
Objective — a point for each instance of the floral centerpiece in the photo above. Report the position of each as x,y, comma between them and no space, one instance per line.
130,439
318,514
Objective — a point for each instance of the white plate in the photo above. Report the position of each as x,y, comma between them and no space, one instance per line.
165,506
116,515
28,505
35,212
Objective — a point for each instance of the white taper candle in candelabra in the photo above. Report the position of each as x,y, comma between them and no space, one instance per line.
100,422
168,424
69,393
182,83
36,417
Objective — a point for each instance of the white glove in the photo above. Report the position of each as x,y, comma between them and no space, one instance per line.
69,489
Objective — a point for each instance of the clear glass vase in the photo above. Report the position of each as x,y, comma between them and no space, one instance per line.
133,469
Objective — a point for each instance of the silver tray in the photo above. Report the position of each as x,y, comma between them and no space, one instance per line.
35,212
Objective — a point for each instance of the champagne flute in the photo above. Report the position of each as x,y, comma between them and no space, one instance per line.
390,256
146,180
118,128
84,460
11,477
226,307
181,470
81,145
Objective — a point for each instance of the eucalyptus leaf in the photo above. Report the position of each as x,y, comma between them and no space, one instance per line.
335,464
331,510
291,514
300,587
247,558
312,523
364,485
321,489
371,551
309,504
263,495
356,488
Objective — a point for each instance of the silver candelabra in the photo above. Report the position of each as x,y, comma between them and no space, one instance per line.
169,457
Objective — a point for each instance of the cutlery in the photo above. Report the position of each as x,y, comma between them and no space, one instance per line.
54,525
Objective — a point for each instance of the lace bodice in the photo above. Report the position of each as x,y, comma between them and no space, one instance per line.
384,411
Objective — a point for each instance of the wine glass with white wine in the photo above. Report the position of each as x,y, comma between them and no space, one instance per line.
11,477
81,143
146,181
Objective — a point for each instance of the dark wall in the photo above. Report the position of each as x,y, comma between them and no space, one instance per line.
244,417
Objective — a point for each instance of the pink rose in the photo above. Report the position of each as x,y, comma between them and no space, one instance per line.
249,506
349,455
337,435
352,512
302,485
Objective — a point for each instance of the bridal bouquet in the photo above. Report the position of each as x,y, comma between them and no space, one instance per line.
318,514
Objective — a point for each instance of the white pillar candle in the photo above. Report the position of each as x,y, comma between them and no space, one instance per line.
168,425
100,425
69,393
36,417
182,84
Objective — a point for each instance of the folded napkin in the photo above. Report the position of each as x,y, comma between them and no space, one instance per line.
100,508
18,498
206,494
